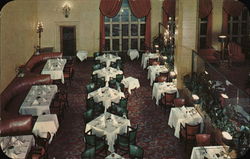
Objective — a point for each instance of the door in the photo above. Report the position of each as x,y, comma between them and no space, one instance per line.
68,40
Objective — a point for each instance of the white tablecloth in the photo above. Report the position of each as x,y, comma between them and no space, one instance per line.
38,100
107,73
54,67
209,152
108,58
146,56
155,70
21,146
183,115
44,124
106,95
131,83
133,53
114,156
82,55
161,88
115,125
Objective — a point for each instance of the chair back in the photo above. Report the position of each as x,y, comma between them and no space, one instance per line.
88,115
121,111
94,78
96,54
156,63
90,103
132,135
90,139
151,61
101,82
161,79
203,139
192,130
119,77
90,87
89,153
179,102
169,97
96,67
136,152
123,102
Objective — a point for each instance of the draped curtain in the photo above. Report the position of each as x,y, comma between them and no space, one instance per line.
205,10
230,8
168,7
140,9
109,8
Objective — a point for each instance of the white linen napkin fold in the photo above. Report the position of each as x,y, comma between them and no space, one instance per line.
183,109
35,102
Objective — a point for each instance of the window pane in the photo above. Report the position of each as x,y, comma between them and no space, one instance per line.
142,43
134,43
133,18
143,19
106,19
202,42
235,39
244,14
107,45
116,29
235,28
204,19
229,28
124,29
143,29
107,30
203,30
125,4
236,18
125,15
244,28
116,18
134,29
115,44
125,44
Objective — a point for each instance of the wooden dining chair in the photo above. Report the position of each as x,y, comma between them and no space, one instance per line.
179,102
167,100
161,78
203,139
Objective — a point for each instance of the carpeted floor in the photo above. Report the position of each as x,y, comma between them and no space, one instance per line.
154,135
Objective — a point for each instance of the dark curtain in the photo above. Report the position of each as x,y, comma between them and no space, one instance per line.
205,10
109,8
168,7
140,9
230,8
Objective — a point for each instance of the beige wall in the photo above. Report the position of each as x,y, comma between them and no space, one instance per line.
18,37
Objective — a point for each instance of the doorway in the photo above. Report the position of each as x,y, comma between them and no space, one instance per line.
68,40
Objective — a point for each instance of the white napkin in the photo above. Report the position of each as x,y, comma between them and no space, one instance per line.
44,100
35,102
183,109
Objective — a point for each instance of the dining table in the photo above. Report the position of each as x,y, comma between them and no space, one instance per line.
160,88
210,152
106,95
17,147
146,56
107,73
54,67
110,125
131,83
108,58
183,115
46,123
155,70
38,100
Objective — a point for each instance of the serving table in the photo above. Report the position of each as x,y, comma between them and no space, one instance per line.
38,100
54,67
110,125
108,58
46,123
107,96
160,88
155,70
17,147
210,152
182,115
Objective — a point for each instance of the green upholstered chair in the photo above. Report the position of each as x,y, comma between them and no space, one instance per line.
90,87
88,115
94,78
96,67
120,111
119,77
135,152
101,82
98,108
113,64
90,103
88,153
112,83
97,54
123,102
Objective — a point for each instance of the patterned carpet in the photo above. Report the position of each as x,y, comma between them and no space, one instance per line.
154,135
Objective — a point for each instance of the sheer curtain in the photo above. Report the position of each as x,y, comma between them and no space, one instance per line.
109,8
140,9
205,10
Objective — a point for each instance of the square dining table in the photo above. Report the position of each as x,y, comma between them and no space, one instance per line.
213,152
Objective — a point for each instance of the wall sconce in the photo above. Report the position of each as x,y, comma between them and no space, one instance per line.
66,10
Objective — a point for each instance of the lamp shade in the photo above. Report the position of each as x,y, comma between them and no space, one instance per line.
222,38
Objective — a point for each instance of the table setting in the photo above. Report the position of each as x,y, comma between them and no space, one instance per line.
54,67
160,88
182,115
17,147
107,73
210,152
38,100
110,125
107,96
108,58
146,56
155,70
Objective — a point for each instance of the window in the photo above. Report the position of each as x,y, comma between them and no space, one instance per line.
239,29
203,33
124,31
